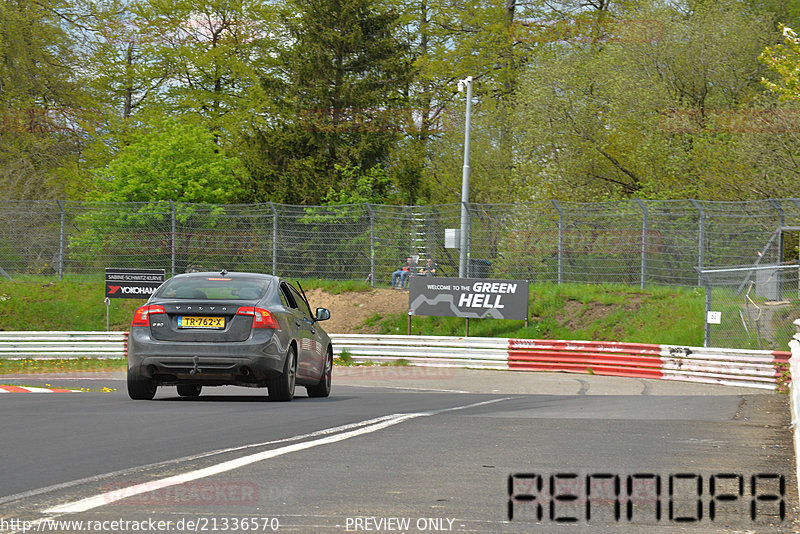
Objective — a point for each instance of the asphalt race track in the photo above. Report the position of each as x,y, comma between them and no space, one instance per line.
396,450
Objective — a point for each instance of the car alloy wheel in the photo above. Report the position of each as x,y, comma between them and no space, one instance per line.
323,389
282,387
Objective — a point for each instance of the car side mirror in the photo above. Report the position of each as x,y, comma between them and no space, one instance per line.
323,314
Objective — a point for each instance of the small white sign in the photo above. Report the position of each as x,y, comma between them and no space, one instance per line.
714,317
451,237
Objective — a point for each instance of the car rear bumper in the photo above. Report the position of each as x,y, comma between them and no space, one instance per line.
248,363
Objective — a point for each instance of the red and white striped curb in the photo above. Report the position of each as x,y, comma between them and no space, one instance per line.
752,368
30,389
739,367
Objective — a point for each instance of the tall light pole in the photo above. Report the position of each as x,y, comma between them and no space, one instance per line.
464,253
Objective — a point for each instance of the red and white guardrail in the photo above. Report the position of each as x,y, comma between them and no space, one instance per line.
751,368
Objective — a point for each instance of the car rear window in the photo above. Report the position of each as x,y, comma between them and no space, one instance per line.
214,288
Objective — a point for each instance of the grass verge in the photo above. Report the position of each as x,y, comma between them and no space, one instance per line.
606,312
78,365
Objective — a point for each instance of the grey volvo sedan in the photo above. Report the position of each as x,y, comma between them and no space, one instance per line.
213,329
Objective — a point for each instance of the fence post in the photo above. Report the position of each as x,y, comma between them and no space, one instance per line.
560,239
644,241
797,205
701,240
61,243
371,244
274,239
707,326
172,237
782,216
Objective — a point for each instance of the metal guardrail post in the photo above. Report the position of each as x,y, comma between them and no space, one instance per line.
701,238
172,238
61,242
560,239
274,239
644,241
371,244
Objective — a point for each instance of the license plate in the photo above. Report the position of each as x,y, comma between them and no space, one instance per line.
201,322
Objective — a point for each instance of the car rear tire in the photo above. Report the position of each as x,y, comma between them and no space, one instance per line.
282,388
323,389
189,390
140,387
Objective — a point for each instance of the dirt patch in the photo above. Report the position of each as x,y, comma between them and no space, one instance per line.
577,315
349,310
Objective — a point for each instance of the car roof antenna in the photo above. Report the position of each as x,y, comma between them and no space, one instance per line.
224,271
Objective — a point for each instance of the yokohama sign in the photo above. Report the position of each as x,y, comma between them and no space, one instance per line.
132,283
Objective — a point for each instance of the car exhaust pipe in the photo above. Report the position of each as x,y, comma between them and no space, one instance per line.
246,372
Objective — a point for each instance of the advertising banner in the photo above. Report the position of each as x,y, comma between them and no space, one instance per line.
132,283
475,298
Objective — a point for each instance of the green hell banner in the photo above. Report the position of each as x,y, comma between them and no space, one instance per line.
475,298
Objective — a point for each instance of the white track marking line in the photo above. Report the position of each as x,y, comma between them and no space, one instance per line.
146,487
122,472
109,497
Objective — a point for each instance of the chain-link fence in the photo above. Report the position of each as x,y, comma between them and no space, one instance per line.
631,242
634,242
752,306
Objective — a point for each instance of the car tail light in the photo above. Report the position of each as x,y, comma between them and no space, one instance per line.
261,318
142,315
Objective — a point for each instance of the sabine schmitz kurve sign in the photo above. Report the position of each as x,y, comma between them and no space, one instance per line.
468,297
132,283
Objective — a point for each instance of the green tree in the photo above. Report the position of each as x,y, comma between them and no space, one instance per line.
452,40
645,115
179,56
784,60
42,115
174,160
779,10
174,171
339,99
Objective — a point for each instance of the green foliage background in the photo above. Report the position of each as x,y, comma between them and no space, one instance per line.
328,101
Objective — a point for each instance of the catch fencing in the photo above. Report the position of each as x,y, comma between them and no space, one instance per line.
634,242
630,242
752,306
